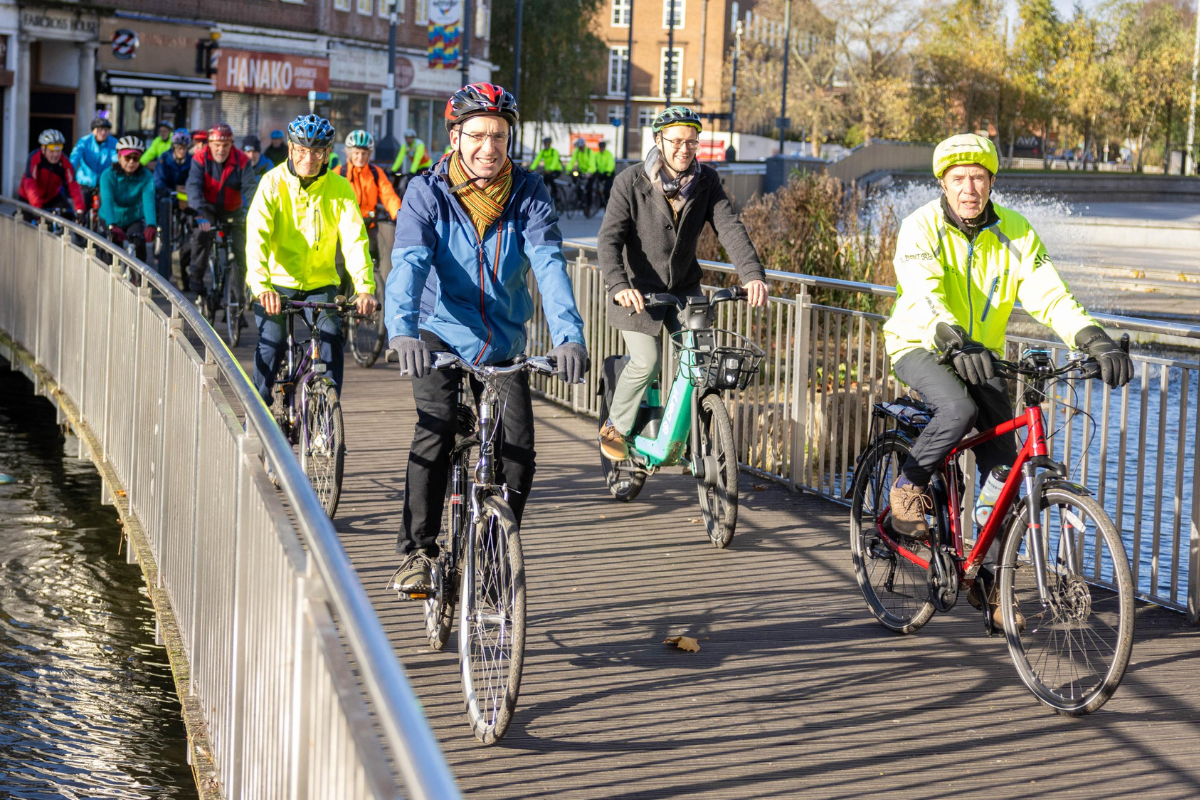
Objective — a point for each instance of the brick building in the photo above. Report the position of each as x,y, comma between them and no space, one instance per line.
252,63
703,35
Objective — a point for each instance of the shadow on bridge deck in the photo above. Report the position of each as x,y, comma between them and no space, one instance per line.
796,692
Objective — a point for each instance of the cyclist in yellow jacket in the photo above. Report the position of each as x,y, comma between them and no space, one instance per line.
606,169
298,214
962,262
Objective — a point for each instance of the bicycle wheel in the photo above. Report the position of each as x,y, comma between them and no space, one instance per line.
1072,651
322,444
367,335
209,298
624,481
896,589
589,205
719,488
233,313
491,622
447,570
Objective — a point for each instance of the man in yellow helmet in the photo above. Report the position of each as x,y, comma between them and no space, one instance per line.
962,262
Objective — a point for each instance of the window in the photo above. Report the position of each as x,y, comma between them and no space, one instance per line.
646,115
364,7
385,7
421,12
615,112
620,13
589,114
617,65
341,5
483,21
675,69
680,9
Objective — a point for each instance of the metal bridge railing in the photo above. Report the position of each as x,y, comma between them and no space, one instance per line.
806,417
266,601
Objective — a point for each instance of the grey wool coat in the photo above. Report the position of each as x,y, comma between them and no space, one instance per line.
643,246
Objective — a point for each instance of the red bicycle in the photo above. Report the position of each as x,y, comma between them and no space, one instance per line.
1065,588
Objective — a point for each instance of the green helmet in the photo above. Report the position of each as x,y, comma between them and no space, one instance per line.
965,148
360,138
676,115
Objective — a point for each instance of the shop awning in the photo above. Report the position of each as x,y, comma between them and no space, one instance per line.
159,85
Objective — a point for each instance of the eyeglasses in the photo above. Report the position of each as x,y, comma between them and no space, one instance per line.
498,139
132,157
690,144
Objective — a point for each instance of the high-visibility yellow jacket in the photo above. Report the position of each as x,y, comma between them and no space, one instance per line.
606,163
548,158
944,276
420,160
292,232
582,159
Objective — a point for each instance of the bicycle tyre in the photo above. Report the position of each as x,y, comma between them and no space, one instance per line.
589,205
492,645
876,564
440,608
623,480
367,336
1064,624
233,314
322,444
719,501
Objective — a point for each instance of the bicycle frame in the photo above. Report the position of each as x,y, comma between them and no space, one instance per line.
679,416
1032,455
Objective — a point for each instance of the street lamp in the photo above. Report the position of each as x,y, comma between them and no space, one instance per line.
386,149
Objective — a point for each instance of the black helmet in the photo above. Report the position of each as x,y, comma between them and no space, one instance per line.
101,122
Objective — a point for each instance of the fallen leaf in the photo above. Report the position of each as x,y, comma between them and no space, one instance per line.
686,643
695,521
759,487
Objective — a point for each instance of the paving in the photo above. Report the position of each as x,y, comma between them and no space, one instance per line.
795,692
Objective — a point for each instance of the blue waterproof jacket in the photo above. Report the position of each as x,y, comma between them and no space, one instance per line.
477,299
169,173
89,159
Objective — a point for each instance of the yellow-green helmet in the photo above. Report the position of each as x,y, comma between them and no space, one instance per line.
965,148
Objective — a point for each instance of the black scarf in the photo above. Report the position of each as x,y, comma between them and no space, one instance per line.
970,227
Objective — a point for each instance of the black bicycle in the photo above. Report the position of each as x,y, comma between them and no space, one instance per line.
223,291
306,405
583,196
480,561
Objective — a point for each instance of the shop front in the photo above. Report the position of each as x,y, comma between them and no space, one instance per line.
55,74
423,95
151,71
258,92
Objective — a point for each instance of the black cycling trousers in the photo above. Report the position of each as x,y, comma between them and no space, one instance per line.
436,395
272,338
202,243
956,409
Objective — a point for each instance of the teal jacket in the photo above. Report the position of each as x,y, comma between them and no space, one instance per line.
125,199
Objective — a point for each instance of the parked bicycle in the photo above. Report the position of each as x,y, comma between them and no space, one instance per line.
693,429
223,292
1065,588
305,402
481,562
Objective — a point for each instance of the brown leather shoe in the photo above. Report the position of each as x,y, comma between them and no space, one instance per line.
612,443
909,504
993,601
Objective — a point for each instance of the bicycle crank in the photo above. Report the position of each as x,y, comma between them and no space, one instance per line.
943,580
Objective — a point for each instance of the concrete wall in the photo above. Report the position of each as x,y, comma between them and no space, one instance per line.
1093,187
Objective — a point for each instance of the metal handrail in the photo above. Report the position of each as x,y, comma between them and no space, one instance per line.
419,758
1160,327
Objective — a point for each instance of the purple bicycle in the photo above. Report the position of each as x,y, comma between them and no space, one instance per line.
305,402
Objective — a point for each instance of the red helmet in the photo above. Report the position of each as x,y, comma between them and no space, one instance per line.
219,132
199,136
481,98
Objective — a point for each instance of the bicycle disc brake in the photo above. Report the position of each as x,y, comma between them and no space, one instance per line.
943,580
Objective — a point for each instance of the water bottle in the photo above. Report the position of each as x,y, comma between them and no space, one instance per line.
989,493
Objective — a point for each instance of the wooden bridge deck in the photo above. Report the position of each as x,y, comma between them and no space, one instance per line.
796,691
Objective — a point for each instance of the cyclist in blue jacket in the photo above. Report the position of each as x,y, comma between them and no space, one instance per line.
469,232
92,155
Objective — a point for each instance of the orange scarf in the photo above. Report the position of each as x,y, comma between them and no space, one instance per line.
484,206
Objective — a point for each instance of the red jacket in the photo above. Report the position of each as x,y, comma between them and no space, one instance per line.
43,181
220,188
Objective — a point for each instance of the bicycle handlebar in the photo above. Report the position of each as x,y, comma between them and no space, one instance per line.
544,365
288,306
1085,365
659,299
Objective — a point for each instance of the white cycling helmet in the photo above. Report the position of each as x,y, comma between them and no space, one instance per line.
130,143
410,132
51,136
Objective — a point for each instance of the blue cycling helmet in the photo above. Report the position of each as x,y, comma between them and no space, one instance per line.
181,136
309,130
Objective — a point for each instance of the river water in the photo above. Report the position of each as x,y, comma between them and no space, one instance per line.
87,702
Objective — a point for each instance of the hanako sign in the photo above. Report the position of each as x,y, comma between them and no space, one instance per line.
250,72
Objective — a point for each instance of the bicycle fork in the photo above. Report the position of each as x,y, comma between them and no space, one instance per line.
1039,539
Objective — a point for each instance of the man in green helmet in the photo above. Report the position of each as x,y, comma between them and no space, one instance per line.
962,262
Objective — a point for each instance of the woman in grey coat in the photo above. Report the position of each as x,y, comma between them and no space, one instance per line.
647,243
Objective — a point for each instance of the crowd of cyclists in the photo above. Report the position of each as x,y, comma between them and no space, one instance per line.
289,209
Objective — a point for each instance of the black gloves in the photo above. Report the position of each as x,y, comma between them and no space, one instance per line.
571,361
972,361
414,355
1115,366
